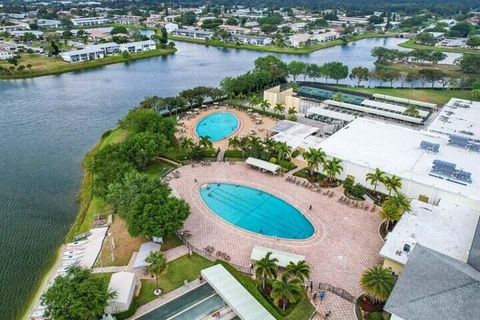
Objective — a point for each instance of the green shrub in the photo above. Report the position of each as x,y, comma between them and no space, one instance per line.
374,316
273,160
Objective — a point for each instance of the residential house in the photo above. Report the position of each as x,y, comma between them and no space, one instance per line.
127,19
235,29
298,40
193,33
326,36
92,52
170,27
48,24
138,46
255,40
90,21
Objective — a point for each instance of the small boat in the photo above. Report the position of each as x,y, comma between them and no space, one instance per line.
68,258
76,243
73,253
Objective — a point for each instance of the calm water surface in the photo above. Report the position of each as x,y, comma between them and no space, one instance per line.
48,124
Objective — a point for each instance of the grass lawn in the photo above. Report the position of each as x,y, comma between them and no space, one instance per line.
170,241
427,95
412,45
157,169
448,69
42,65
276,49
181,269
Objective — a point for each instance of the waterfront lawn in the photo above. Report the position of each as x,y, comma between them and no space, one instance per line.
449,69
427,95
125,245
412,45
43,65
276,49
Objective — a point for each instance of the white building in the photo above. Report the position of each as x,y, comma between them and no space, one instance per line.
446,228
5,54
48,24
93,52
441,173
299,39
193,33
123,284
255,40
138,46
170,27
90,21
326,36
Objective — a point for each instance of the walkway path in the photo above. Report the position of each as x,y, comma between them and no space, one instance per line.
111,269
339,308
176,252
165,299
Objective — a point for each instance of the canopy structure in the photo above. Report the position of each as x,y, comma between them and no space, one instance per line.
331,114
261,164
123,284
245,306
404,101
283,257
143,253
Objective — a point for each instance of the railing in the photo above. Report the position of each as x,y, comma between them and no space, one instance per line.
338,291
211,257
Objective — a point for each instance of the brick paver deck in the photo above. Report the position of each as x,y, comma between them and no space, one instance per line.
346,240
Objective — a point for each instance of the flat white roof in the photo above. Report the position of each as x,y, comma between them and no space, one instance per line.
404,101
395,108
458,117
447,229
245,306
93,247
331,114
284,258
370,110
396,150
296,134
272,167
144,252
123,283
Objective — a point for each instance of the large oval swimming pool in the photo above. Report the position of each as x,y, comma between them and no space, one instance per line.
217,126
256,211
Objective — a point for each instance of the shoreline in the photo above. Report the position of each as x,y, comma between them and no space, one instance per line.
85,198
80,66
285,50
410,44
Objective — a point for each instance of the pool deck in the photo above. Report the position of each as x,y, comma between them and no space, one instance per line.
246,123
345,243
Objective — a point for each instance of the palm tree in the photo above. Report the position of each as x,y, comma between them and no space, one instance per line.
411,110
292,111
205,142
234,143
279,108
332,168
156,265
377,282
375,177
314,158
265,105
392,183
254,145
283,150
187,144
390,214
400,201
300,270
266,268
285,290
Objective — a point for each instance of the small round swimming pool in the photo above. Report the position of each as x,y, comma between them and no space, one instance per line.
217,126
256,211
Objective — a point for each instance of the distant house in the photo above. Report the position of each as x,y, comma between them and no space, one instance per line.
298,27
93,52
123,284
193,33
5,54
326,36
299,39
235,29
255,40
127,19
90,21
48,24
170,27
138,46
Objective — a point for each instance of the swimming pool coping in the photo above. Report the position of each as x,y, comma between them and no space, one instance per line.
315,233
239,124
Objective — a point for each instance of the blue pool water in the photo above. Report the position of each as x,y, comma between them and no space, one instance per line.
217,126
256,211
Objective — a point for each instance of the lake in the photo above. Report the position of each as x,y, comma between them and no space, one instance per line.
48,124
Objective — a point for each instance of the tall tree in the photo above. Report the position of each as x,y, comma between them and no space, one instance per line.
157,263
296,68
359,74
266,268
392,183
77,295
285,291
314,158
332,168
375,177
299,270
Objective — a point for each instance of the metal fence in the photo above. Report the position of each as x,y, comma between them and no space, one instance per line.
338,291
